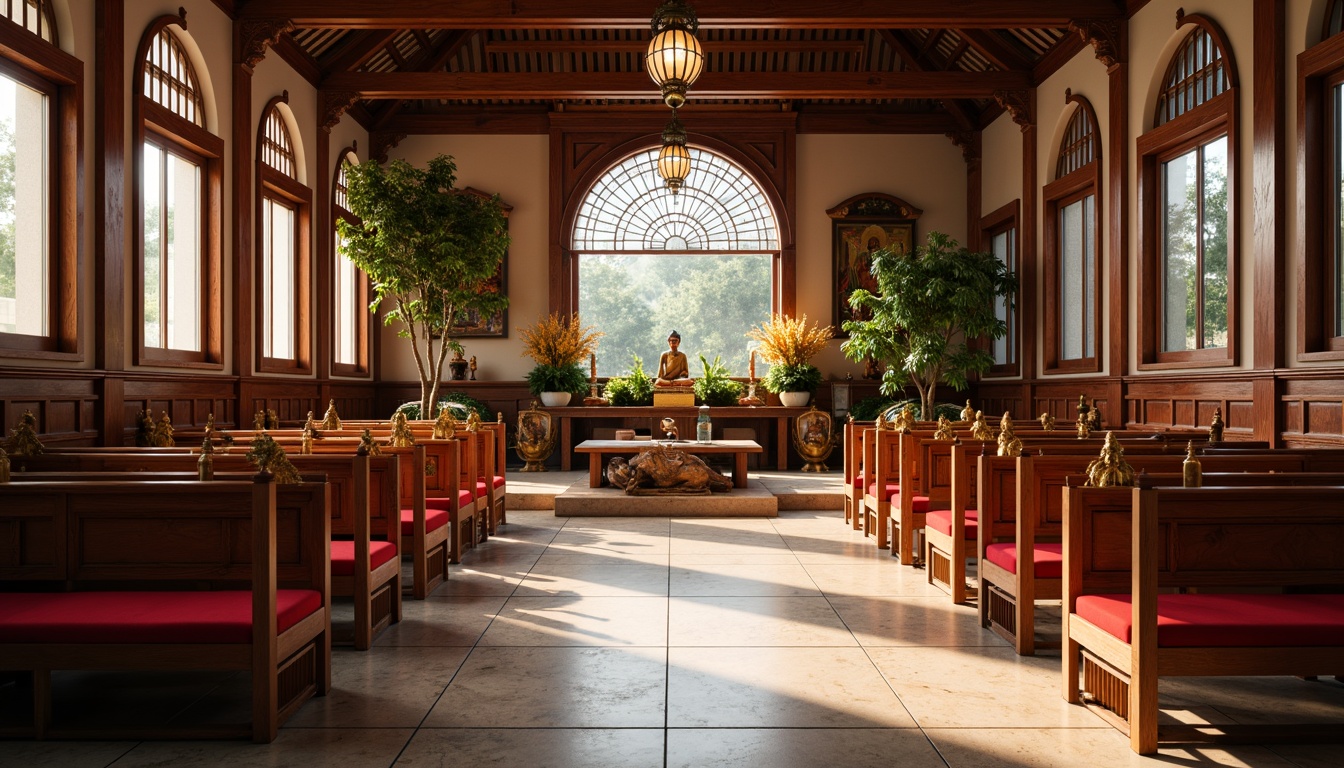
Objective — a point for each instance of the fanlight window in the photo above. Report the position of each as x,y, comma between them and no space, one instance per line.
1334,19
171,81
1079,146
33,15
701,262
277,148
1196,75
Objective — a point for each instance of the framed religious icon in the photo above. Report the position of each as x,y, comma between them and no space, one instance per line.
863,225
471,323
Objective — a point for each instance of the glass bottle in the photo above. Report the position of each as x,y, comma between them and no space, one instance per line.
703,427
1192,473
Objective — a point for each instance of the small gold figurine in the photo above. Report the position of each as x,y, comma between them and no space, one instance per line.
445,426
310,434
1082,405
144,430
401,432
1192,472
205,465
1047,421
1094,417
880,424
331,420
368,445
23,438
905,419
259,421
945,430
980,429
163,432
968,413
269,456
473,422
1009,443
499,417
1216,426
4,467
1110,468
311,426
272,421
471,366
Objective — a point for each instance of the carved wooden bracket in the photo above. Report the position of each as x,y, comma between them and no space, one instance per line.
1104,35
333,104
1018,106
256,35
380,142
969,144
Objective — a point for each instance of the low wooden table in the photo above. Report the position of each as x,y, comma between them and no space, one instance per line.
596,449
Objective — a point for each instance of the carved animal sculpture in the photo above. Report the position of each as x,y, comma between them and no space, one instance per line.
660,469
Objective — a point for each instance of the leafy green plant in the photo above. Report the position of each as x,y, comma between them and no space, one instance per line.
461,405
428,249
792,378
557,378
634,389
714,388
951,410
932,303
868,408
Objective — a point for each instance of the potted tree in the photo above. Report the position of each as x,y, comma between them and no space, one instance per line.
428,249
933,304
788,346
557,344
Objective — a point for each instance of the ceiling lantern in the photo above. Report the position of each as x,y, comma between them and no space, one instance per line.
674,159
675,58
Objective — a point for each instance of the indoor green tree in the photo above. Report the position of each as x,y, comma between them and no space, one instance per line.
931,303
428,248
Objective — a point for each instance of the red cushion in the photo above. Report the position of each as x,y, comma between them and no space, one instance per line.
892,490
1048,559
499,482
858,480
941,520
917,504
343,556
464,499
482,490
434,520
1227,620
144,617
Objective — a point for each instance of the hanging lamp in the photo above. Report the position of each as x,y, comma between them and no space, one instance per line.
675,58
674,159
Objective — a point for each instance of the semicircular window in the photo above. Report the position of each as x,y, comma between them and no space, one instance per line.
702,262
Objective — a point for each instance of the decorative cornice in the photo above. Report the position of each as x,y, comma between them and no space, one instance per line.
969,144
1104,35
256,35
1018,106
333,106
380,142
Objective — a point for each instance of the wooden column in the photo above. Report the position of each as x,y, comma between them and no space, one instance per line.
1118,259
109,213
1268,195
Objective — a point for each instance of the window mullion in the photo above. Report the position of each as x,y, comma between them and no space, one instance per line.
1199,248
163,249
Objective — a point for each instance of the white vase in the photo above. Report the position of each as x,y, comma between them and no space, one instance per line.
555,399
794,399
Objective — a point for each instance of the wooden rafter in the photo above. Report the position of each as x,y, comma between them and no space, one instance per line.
993,48
964,117
362,47
432,59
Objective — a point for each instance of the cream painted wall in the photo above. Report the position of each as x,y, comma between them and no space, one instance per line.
1001,164
925,171
517,169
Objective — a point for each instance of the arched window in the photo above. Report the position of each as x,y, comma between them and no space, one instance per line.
999,231
283,298
1320,290
40,114
1073,248
1188,278
350,288
1334,19
178,183
701,262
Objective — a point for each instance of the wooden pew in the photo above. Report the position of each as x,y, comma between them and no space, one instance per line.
1220,550
127,575
854,435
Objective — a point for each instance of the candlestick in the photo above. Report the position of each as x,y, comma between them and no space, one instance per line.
751,369
592,356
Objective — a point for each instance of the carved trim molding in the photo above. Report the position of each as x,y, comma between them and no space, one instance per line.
1018,106
333,104
969,144
1104,36
256,35
380,142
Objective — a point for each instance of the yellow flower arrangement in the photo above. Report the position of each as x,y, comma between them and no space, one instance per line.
790,342
559,340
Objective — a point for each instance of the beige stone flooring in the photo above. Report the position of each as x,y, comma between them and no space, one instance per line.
654,642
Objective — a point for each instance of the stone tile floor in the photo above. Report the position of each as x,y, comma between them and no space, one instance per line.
653,642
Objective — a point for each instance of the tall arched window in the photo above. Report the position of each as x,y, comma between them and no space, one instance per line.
178,183
1073,248
1188,160
350,288
40,117
283,298
1320,290
701,262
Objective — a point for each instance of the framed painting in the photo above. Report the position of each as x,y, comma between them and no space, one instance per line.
471,323
863,225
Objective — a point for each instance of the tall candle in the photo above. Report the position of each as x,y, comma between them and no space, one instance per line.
751,369
592,357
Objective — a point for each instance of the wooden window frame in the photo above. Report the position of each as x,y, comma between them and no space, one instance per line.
157,124
1058,195
274,185
1003,220
29,59
1320,69
359,369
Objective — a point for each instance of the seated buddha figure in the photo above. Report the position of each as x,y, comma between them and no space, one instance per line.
673,369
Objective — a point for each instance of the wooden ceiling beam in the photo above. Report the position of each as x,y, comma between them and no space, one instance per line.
640,46
963,116
362,47
994,48
429,61
785,14
636,85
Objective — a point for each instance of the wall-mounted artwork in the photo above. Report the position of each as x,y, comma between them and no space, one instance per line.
472,323
863,225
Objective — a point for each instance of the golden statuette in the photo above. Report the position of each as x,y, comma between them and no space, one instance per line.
980,429
163,432
23,438
1047,421
270,457
474,422
310,427
445,426
205,465
1110,468
968,413
1192,472
331,420
144,430
880,424
4,467
368,445
259,421
1084,423
814,438
401,432
1094,416
945,430
1082,405
1216,426
536,438
905,420
1009,443
499,417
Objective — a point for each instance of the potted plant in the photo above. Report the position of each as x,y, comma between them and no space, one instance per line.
557,344
933,302
634,389
428,248
714,388
788,345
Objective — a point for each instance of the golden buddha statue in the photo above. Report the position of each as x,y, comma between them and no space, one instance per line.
673,369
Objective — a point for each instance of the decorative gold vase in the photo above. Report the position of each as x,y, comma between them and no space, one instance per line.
536,438
814,439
